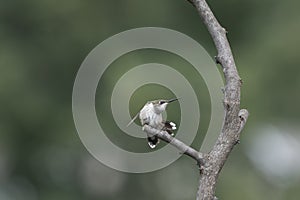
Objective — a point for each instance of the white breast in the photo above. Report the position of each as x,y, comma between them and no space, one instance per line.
148,116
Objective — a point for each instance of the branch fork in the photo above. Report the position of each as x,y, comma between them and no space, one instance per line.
235,119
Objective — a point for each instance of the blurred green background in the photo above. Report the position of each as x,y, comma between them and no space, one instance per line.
43,43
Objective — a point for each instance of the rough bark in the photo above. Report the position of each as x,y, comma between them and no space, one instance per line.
235,118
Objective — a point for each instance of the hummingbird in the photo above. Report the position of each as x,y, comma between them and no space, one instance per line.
151,114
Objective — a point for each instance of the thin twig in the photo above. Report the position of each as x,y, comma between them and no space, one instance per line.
191,2
182,147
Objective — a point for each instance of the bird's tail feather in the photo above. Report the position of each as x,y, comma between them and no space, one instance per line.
133,119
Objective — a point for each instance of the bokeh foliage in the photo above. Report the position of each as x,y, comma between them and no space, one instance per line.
43,43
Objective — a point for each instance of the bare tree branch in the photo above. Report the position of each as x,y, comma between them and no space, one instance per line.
183,148
235,118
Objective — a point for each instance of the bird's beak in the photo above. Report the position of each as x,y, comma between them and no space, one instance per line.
171,100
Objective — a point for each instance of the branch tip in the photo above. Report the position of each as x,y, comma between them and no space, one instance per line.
243,115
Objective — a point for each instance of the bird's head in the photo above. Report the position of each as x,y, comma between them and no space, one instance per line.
161,105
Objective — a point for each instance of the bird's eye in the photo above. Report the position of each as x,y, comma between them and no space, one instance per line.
161,102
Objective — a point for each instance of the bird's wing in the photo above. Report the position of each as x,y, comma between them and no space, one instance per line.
144,115
133,119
